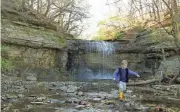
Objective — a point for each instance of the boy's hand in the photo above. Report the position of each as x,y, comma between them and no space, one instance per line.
138,75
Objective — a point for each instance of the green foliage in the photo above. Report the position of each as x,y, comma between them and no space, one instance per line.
153,37
119,35
98,38
61,41
6,65
159,35
118,27
4,48
178,24
102,22
102,35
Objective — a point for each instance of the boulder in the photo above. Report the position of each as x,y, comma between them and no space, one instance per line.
96,99
80,93
31,77
80,106
20,95
11,96
71,89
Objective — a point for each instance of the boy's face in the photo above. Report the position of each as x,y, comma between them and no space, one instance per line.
124,64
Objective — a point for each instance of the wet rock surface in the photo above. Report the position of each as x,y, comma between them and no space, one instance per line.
33,96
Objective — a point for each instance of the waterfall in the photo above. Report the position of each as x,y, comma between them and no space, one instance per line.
93,62
102,47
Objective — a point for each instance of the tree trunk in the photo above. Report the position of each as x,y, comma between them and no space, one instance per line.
48,7
143,82
175,22
161,99
157,8
38,6
32,4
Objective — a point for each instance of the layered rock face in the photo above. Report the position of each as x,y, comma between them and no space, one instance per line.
45,62
82,59
99,59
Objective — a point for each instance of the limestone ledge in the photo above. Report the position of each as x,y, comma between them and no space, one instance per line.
31,43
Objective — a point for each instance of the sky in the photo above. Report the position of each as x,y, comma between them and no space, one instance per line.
99,10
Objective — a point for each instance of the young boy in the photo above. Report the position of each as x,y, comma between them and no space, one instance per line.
121,76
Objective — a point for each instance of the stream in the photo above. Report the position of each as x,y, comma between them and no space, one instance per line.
89,96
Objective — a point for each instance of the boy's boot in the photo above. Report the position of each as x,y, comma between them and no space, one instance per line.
121,96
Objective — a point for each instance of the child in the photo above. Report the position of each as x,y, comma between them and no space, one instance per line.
121,75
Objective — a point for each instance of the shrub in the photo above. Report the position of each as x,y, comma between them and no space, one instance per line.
119,35
6,65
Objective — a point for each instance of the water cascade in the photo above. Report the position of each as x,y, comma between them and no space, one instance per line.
92,62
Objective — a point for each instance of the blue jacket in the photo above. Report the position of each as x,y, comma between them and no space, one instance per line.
123,74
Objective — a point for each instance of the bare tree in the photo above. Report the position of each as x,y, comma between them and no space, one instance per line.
63,14
158,13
